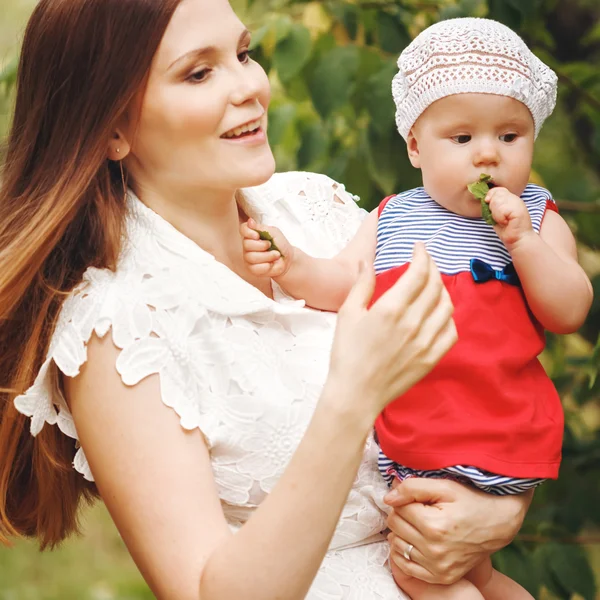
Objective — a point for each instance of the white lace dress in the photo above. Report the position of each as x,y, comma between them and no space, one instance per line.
245,369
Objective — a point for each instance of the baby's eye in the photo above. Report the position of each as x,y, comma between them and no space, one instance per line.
461,139
508,137
199,76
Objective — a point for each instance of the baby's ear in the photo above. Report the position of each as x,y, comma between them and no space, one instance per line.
412,146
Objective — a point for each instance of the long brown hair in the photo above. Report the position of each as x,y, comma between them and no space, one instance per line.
61,210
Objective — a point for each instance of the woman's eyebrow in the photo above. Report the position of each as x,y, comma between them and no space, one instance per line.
199,53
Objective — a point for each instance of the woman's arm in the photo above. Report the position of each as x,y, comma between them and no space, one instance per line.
451,526
156,479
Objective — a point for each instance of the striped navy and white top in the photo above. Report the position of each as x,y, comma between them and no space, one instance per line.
452,240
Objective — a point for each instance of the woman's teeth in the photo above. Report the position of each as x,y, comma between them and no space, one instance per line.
250,127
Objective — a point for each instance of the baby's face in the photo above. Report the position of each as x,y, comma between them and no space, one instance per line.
459,137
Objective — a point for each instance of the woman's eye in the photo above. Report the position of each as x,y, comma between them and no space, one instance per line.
199,76
461,139
508,137
244,57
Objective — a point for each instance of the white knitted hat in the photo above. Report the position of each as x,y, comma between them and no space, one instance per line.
459,56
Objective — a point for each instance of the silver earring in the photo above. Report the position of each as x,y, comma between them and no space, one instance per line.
118,150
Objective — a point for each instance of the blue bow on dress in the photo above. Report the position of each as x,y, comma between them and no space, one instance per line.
483,272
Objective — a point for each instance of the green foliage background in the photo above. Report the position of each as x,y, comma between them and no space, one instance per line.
331,65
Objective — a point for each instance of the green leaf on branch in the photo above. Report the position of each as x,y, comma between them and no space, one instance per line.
391,33
292,52
348,16
258,36
281,118
379,101
8,75
566,570
518,564
313,147
388,162
333,80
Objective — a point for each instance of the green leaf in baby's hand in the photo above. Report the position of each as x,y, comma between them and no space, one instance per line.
265,235
480,189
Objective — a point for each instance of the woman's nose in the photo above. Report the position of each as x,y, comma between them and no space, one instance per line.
247,84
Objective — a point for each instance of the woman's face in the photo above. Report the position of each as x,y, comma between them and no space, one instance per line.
201,123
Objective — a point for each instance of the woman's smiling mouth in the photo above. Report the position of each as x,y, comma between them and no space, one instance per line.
249,129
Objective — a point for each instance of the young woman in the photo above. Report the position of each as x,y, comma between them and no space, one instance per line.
226,426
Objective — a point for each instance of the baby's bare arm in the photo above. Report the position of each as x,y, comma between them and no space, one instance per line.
325,283
558,291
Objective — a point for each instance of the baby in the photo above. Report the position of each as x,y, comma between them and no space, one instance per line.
471,99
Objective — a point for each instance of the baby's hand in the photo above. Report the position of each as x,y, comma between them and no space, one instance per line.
511,215
260,260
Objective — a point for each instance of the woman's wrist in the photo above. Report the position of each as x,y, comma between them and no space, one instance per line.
510,512
346,405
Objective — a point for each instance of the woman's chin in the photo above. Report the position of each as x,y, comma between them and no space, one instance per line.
257,172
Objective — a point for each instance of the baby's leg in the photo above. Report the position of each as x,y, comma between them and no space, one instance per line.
421,590
494,585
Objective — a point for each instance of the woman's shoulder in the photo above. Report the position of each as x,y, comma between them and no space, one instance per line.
145,321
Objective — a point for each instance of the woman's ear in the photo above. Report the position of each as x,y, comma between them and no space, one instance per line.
118,147
412,146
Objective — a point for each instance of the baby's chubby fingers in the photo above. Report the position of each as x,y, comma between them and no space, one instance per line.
252,245
256,258
248,230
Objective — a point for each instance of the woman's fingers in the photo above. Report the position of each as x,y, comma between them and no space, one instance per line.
437,333
404,530
432,295
404,547
415,565
422,490
412,568
409,287
362,290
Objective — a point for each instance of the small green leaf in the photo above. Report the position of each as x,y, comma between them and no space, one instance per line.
258,36
379,101
281,119
518,564
265,235
567,568
384,154
292,52
391,32
480,189
8,75
313,146
333,80
348,16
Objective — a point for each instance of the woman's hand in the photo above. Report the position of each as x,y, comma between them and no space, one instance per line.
379,353
451,527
